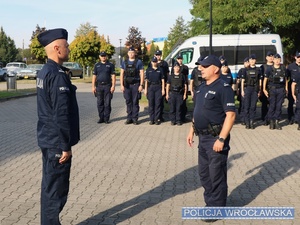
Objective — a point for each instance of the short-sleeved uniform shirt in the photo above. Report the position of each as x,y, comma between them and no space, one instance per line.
227,78
212,103
104,71
293,71
58,114
154,75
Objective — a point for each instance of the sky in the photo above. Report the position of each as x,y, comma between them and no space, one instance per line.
112,18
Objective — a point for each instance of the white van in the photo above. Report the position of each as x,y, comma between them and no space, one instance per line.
234,47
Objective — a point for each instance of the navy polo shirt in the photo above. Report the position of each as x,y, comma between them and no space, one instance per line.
104,71
227,78
293,71
154,75
211,103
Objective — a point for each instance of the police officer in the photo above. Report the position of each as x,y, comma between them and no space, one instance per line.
293,72
165,70
184,70
132,80
176,92
226,74
58,124
275,87
154,90
103,86
262,97
213,118
250,90
196,77
240,98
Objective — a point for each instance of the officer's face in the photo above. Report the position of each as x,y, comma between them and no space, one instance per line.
277,61
103,58
297,60
63,50
179,61
252,62
270,58
158,57
131,54
246,64
176,69
209,72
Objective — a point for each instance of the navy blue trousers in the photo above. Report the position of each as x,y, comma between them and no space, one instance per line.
131,95
213,171
250,101
154,102
297,111
276,98
104,101
55,186
175,101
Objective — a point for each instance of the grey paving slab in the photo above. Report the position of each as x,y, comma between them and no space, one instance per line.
127,174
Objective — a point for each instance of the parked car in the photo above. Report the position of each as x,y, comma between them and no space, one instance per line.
31,71
3,73
75,70
14,68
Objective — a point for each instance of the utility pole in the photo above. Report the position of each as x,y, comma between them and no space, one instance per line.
120,52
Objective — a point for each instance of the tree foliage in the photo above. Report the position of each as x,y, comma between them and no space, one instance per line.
178,33
135,40
37,50
106,46
259,16
8,50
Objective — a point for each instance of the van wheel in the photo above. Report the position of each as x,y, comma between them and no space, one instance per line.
4,78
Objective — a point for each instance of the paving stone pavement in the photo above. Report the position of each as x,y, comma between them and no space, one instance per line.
128,174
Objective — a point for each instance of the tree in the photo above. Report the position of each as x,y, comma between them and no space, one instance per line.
178,33
258,17
85,29
8,50
37,50
85,49
135,40
106,46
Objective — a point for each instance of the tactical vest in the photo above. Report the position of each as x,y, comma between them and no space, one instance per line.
278,75
252,77
130,71
176,83
198,78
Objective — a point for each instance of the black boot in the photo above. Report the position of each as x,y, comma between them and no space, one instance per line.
277,125
298,127
247,125
251,124
272,125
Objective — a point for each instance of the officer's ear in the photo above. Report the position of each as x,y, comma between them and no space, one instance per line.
217,70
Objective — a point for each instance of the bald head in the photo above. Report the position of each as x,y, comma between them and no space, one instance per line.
58,50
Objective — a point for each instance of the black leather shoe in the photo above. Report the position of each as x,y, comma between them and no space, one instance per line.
100,121
135,122
157,122
298,127
151,122
173,123
128,122
209,220
179,123
107,122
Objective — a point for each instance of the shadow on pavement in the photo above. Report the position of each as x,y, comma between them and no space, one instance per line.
183,182
268,174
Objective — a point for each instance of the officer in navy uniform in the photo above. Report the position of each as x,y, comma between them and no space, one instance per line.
176,92
103,86
241,109
132,81
58,124
165,70
213,118
185,71
250,90
262,97
275,87
154,90
293,72
226,74
196,77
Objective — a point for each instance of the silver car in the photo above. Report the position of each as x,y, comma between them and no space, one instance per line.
14,68
75,70
31,71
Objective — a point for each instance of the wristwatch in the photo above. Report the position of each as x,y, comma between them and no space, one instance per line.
221,139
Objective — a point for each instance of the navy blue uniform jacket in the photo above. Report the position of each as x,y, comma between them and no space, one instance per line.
58,114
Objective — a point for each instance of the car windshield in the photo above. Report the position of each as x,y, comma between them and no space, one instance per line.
13,65
68,64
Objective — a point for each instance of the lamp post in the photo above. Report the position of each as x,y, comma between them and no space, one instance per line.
210,27
120,51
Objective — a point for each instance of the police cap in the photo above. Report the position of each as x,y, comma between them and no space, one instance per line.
297,54
179,56
176,64
154,59
252,56
211,60
246,59
277,56
49,36
199,60
269,53
222,57
225,63
158,52
102,53
131,49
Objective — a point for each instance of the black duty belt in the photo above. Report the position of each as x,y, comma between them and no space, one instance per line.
154,83
104,83
204,132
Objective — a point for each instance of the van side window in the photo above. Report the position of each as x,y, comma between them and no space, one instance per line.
187,55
